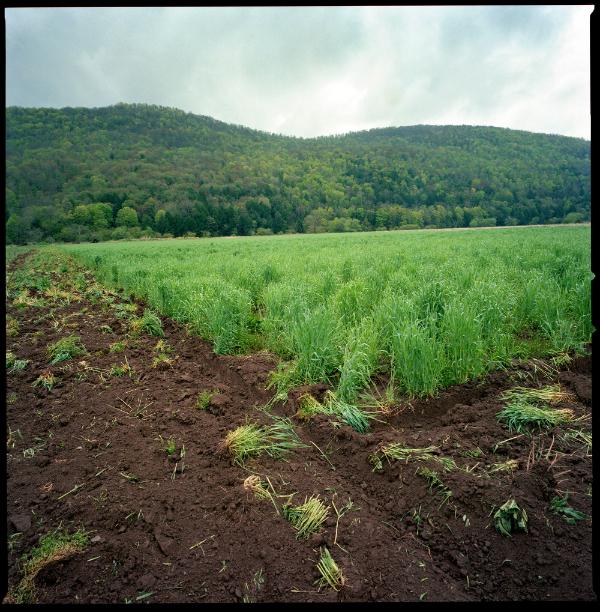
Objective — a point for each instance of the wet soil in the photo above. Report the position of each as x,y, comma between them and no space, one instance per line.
90,453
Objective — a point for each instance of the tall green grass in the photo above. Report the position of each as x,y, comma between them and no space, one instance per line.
429,309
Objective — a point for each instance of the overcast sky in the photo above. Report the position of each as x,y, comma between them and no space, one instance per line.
313,71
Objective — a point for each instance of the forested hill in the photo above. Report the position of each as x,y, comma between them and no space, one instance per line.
138,170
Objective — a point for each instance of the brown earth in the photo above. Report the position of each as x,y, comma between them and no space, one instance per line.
197,535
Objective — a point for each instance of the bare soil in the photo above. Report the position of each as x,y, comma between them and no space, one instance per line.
195,534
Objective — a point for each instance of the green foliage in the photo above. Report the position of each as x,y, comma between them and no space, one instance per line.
130,170
162,360
360,360
126,217
121,370
350,414
65,348
523,417
510,518
559,506
426,309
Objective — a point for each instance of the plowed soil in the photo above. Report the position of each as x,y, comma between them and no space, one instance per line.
89,454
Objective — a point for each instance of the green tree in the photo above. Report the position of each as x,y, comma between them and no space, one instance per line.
82,215
16,230
127,217
101,215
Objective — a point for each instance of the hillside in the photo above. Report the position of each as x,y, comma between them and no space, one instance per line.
130,170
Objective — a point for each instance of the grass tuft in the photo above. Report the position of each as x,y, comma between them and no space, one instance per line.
162,361
527,409
551,394
204,399
350,414
149,322
257,486
506,466
578,436
246,441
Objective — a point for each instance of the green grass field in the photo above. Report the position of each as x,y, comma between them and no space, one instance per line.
427,308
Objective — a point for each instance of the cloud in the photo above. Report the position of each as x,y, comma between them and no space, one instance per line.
312,71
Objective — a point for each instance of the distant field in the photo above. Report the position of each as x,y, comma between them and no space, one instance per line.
426,309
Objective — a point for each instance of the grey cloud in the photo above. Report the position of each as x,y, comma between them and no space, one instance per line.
304,71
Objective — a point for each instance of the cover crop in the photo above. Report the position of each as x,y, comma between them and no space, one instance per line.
428,308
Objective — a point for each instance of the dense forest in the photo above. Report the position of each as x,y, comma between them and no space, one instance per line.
134,170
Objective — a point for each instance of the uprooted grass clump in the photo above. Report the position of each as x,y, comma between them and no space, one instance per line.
65,348
54,546
307,518
523,417
348,413
330,572
510,518
551,394
256,485
528,409
13,364
46,380
509,465
251,440
398,452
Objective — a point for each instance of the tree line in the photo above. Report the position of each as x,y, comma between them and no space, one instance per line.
133,170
